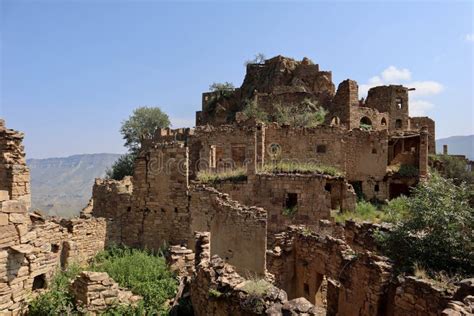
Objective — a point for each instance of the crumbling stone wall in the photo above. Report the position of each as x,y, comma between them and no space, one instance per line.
417,123
14,174
238,232
418,297
217,289
32,248
96,291
392,99
111,199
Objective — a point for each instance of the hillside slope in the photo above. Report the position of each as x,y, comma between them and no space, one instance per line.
457,145
62,186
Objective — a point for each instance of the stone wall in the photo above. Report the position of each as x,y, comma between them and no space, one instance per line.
96,291
217,289
238,232
111,199
417,123
392,99
32,249
14,174
418,298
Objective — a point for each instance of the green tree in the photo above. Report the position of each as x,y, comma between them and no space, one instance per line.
437,230
122,167
455,168
142,124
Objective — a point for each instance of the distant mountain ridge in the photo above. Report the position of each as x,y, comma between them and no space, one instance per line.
62,186
457,145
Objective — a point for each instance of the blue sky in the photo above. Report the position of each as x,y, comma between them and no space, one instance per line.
71,71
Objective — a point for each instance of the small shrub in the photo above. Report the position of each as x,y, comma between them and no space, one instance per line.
252,111
259,60
290,211
256,287
365,127
235,175
214,293
365,211
396,209
56,300
408,171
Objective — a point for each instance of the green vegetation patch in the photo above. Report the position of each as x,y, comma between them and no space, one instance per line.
256,287
435,231
235,175
300,167
392,212
141,271
57,300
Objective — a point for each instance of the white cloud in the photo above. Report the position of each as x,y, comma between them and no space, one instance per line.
393,74
469,37
420,107
178,122
425,88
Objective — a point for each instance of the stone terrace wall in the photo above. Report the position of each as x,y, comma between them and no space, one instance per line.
14,174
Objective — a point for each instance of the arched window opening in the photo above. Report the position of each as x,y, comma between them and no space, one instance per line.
335,121
383,122
365,123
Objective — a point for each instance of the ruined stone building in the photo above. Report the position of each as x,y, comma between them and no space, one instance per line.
223,233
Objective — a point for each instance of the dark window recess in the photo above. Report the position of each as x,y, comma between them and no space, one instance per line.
163,210
376,188
374,151
291,200
306,289
55,248
321,149
328,187
398,123
39,282
129,209
176,210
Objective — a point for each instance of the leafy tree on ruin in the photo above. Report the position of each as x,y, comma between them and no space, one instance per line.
141,125
436,231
